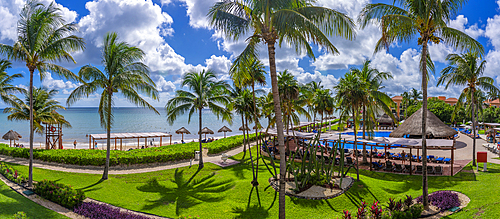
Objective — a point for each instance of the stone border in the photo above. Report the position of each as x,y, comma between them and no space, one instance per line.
275,186
434,212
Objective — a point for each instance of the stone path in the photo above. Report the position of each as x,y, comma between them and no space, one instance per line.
132,169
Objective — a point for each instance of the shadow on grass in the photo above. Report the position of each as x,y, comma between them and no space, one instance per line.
188,193
252,210
89,187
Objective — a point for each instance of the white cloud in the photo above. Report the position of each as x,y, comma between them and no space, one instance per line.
52,83
163,85
461,22
197,11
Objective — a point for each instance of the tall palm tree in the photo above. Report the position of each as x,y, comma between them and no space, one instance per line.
6,87
467,70
415,95
44,108
291,99
427,21
406,101
207,92
296,23
43,37
323,104
309,90
349,97
123,73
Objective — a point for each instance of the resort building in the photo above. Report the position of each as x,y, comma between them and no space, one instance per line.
493,103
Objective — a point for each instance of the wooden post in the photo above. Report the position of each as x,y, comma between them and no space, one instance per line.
121,147
161,138
138,139
385,152
371,153
410,161
452,158
115,144
170,140
145,142
90,142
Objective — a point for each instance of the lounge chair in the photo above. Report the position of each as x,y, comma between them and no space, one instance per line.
348,161
440,160
430,169
414,158
419,170
431,158
447,160
438,170
409,169
398,168
347,152
377,165
388,166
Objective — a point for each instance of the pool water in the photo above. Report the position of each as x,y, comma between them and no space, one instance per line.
375,134
459,129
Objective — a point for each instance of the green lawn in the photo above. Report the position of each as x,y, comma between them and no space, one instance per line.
218,192
12,202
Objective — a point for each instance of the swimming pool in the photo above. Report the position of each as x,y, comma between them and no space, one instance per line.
459,129
376,134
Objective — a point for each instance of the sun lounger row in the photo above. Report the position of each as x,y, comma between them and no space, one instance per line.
492,147
392,167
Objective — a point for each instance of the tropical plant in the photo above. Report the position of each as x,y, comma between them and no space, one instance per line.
6,87
295,23
426,20
323,103
44,109
309,91
467,70
123,73
207,92
291,99
43,37
415,95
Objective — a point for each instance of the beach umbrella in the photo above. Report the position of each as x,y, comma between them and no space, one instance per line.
257,126
224,129
182,131
206,131
12,135
244,128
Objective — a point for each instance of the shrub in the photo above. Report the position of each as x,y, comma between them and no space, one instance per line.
416,210
59,193
95,210
11,174
20,215
149,155
443,200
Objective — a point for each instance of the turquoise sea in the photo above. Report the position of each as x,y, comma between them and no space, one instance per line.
126,119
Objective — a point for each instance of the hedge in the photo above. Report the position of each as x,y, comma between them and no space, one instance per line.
168,153
11,174
59,193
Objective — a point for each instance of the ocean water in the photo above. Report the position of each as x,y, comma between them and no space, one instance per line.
86,121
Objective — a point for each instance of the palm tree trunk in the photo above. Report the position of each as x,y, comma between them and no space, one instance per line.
244,136
423,64
108,136
365,160
256,121
355,141
30,179
279,124
473,131
254,180
200,166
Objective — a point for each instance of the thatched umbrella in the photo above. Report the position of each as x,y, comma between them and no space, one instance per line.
490,131
224,129
12,135
413,127
206,131
244,128
385,119
182,131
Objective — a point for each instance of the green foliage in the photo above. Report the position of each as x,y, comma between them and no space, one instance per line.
440,108
11,174
140,156
59,193
490,114
20,215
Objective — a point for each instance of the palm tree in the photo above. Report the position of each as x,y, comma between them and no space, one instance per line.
373,99
44,108
427,20
43,38
296,23
6,87
207,92
415,95
309,90
406,101
291,99
323,104
467,70
123,73
350,97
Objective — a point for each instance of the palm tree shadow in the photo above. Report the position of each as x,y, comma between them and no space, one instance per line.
252,210
88,188
188,193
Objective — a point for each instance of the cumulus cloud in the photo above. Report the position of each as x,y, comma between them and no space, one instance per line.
52,83
163,85
197,11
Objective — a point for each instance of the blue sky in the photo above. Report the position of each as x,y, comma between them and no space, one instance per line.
177,39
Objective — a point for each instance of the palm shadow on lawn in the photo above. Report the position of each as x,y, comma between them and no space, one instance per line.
188,193
253,210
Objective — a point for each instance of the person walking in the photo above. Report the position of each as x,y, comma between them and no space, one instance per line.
74,144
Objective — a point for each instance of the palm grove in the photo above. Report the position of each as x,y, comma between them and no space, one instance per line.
44,39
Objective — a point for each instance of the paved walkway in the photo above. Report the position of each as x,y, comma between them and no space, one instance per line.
132,169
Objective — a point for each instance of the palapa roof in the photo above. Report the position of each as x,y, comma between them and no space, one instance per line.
413,126
11,135
130,135
385,119
206,131
182,130
224,129
244,127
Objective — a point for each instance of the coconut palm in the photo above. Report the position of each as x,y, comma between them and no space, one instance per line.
44,108
123,73
415,95
6,87
467,70
406,101
291,99
323,103
43,38
295,23
427,21
207,92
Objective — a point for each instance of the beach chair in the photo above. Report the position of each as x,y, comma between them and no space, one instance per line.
438,170
347,152
440,160
419,170
398,168
377,165
414,158
348,161
388,166
409,169
430,170
447,160
431,158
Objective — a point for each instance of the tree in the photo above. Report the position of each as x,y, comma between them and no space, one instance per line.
427,20
43,37
123,73
44,108
323,103
415,95
207,92
291,99
295,23
467,70
6,87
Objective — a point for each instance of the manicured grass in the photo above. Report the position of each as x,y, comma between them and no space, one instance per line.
216,192
11,202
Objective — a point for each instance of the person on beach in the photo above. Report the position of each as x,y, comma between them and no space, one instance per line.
74,144
403,157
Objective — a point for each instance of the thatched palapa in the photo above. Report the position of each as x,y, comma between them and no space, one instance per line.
413,127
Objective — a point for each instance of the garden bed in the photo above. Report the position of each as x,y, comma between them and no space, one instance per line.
315,192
